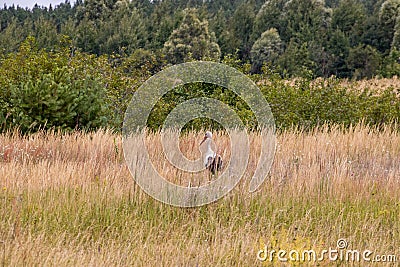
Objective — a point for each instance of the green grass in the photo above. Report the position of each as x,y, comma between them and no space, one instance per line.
88,216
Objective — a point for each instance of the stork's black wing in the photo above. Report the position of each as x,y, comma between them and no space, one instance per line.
214,164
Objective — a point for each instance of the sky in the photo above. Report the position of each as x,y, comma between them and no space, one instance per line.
31,3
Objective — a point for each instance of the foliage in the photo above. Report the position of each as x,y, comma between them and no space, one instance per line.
43,90
316,36
392,64
308,103
303,102
396,35
68,89
186,92
266,49
363,61
192,40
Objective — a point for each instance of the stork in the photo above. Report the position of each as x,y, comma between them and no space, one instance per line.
212,160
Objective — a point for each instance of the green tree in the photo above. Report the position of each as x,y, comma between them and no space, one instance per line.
242,27
68,28
266,49
306,20
91,17
46,33
11,36
389,11
338,48
163,20
349,18
296,59
124,32
93,10
391,64
388,14
191,40
269,16
219,25
306,24
396,35
363,61
87,33
375,34
43,90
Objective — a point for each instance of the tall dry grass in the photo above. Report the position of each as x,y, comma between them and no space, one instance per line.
376,84
69,199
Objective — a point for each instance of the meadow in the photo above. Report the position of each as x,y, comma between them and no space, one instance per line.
69,199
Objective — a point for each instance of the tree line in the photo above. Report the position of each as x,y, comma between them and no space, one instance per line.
66,89
307,38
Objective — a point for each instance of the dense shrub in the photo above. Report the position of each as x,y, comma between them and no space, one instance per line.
303,102
43,90
67,89
186,92
308,103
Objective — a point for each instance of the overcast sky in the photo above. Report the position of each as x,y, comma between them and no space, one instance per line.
31,3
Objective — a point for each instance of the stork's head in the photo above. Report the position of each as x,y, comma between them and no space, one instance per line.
208,135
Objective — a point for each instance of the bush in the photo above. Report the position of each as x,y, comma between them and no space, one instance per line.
66,89
43,90
308,103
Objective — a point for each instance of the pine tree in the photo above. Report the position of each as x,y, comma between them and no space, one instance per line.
363,61
349,18
269,16
124,32
191,39
338,49
45,33
388,14
242,27
306,20
396,36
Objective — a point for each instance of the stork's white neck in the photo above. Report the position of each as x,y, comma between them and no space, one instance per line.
208,143
209,152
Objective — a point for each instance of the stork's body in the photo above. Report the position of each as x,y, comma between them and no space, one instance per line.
212,161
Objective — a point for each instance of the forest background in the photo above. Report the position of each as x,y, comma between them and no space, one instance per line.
76,65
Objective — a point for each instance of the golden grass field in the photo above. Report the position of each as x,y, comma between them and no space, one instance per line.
70,200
